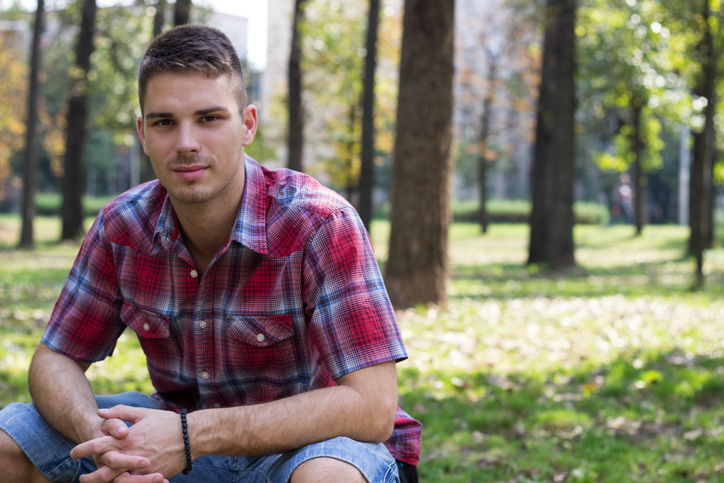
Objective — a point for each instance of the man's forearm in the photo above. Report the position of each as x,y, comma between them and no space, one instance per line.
297,421
62,394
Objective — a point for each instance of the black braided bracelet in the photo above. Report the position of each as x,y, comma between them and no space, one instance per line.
187,445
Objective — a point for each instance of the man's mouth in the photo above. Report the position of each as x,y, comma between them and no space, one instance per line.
190,172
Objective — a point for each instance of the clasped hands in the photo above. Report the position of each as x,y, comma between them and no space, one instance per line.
150,451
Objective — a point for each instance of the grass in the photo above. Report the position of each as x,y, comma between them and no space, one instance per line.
609,372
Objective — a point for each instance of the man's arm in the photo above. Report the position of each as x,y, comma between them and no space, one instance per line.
362,407
64,397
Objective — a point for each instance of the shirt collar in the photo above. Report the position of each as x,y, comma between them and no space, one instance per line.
250,226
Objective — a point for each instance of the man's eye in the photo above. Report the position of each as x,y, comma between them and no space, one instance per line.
208,118
164,122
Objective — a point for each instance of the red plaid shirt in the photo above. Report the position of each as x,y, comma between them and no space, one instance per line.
293,301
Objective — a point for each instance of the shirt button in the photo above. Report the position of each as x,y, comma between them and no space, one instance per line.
194,273
202,324
260,337
146,327
217,405
205,375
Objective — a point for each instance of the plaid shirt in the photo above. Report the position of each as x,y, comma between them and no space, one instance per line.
293,301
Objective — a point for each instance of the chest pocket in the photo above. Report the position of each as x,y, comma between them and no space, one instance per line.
261,344
260,330
147,325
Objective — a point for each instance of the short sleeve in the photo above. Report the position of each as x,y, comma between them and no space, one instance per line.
85,322
351,318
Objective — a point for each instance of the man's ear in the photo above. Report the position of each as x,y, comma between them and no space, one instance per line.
251,122
141,134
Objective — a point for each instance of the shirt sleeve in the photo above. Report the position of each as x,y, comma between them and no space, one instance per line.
85,322
352,321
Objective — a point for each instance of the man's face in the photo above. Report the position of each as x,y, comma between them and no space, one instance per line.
195,136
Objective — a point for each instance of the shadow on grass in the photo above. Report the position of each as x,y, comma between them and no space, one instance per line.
507,281
645,417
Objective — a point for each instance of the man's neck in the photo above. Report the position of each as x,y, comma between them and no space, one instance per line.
206,229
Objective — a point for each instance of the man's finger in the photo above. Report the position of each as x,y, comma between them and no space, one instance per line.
103,474
129,478
120,461
93,447
124,413
114,427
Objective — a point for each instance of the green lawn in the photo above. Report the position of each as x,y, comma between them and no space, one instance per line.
612,371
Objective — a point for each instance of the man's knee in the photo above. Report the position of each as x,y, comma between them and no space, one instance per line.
14,465
326,470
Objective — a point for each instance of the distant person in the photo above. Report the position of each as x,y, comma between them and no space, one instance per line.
257,301
624,198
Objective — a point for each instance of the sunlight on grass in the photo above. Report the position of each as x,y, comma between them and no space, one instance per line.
611,371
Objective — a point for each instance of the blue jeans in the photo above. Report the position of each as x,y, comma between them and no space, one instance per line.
50,452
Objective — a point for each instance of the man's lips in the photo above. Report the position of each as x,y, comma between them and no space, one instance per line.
190,172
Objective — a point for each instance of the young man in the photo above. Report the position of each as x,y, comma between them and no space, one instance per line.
255,296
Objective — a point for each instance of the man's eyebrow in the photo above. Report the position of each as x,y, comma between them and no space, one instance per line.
153,115
200,112
209,110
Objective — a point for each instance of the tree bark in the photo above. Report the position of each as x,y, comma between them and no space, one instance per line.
484,137
703,151
182,13
30,159
72,186
417,269
159,19
366,184
637,147
551,222
295,141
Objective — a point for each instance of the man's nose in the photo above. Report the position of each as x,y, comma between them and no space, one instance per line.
187,141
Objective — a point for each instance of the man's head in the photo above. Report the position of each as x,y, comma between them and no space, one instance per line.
192,48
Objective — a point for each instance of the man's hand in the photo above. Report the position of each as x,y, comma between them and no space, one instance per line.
144,453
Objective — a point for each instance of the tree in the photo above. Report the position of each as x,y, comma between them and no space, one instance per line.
159,17
484,138
73,179
367,168
551,222
625,61
702,162
30,161
182,13
417,268
295,140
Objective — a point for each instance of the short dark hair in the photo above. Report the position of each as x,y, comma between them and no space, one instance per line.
192,48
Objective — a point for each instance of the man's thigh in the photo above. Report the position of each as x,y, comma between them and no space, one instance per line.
45,447
372,461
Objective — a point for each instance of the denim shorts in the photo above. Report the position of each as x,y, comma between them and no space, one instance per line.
50,452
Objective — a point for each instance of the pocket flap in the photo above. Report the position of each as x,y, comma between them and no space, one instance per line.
260,330
148,325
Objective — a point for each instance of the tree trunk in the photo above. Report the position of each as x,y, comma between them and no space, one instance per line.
182,13
417,268
30,159
485,122
637,147
366,184
159,19
551,234
703,151
72,186
295,141
710,239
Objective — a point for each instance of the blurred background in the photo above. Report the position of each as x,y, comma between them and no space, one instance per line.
541,180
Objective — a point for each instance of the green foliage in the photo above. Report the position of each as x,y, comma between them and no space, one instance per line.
333,58
48,204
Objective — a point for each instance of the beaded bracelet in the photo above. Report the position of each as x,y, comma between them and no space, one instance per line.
187,445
